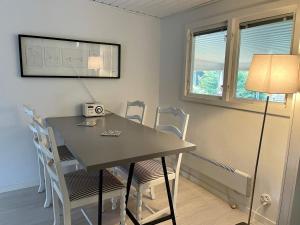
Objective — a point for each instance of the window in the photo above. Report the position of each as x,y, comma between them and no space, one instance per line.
208,60
219,54
272,36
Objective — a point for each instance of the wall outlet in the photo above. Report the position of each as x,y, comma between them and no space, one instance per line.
265,199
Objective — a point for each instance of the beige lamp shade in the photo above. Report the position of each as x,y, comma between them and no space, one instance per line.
274,74
95,62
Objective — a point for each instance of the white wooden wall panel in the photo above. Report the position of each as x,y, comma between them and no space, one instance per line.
156,8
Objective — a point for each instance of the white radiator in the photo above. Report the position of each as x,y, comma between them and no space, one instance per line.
224,174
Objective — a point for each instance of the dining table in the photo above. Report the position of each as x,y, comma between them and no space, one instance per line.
136,143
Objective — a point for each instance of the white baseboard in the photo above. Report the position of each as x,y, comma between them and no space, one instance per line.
220,192
18,186
258,217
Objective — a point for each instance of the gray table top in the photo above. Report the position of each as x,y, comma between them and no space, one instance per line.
136,143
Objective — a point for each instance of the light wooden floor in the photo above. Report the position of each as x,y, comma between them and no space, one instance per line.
196,206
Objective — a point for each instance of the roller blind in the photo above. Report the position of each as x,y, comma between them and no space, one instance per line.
209,47
269,36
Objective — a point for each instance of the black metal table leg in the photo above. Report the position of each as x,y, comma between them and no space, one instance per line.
168,190
159,220
129,180
100,197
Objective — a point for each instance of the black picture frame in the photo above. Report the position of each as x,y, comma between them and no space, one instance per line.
23,74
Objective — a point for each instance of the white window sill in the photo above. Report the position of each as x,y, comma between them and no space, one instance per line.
275,109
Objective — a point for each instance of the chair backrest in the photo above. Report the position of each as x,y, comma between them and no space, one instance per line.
48,146
30,113
180,132
32,116
136,117
179,114
28,110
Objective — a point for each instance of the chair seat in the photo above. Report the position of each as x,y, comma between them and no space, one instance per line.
81,184
64,153
148,170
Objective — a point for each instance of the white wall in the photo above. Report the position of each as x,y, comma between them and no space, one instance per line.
227,135
295,216
230,136
290,205
78,19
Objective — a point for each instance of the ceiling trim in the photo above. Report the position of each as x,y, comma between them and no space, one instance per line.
151,15
124,9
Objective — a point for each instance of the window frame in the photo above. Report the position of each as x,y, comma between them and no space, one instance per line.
274,106
233,21
191,60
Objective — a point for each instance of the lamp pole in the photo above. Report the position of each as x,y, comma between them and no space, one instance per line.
257,161
280,75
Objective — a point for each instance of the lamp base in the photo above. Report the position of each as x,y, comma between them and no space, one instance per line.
242,223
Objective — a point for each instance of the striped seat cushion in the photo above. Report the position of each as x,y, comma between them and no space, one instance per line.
148,170
81,184
64,153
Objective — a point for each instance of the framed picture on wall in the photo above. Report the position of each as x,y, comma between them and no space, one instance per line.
68,58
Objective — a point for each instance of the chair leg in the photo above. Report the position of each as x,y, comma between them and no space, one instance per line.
56,208
113,199
139,203
175,191
152,193
176,180
86,217
100,198
41,176
114,203
67,215
48,189
122,208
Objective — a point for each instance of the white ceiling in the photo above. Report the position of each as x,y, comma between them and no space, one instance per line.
156,8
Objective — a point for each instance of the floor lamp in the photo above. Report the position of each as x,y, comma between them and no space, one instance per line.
271,74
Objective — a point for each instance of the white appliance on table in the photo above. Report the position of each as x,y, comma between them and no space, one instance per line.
93,109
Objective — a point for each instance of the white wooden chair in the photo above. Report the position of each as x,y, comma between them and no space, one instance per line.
139,109
76,189
31,114
148,174
136,117
65,155
140,119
